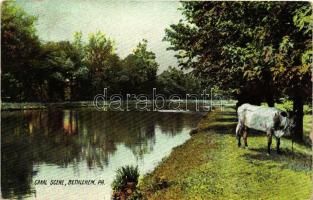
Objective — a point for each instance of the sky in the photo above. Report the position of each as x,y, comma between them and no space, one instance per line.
127,23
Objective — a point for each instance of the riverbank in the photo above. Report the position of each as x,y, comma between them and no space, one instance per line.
124,105
211,166
6,106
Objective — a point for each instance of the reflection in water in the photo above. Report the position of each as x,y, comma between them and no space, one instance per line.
37,143
70,122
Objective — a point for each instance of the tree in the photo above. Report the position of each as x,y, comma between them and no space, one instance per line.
82,89
240,45
294,64
19,53
98,53
175,81
141,68
57,68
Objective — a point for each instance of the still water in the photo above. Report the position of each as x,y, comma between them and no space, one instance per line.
83,144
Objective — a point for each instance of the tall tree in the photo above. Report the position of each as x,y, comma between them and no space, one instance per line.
82,89
293,70
20,49
141,67
238,45
98,52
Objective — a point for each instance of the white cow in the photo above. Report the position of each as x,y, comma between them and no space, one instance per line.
267,119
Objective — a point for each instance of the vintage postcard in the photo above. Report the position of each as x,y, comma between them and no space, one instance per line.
160,100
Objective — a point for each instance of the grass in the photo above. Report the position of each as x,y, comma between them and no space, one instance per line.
211,166
125,175
307,125
125,183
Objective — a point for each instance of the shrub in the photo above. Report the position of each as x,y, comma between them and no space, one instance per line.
136,196
124,175
287,106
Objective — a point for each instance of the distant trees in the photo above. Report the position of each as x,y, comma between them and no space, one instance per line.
260,50
55,69
33,70
175,81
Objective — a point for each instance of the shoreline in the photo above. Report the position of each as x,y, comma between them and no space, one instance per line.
13,106
7,106
210,166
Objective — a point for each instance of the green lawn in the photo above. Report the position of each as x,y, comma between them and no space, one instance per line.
211,166
307,125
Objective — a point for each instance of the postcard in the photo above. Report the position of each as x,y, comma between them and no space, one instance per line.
160,100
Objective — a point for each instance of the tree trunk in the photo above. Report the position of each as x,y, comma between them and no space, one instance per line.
270,95
270,100
298,111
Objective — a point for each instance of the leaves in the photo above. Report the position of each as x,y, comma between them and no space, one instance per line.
303,19
240,45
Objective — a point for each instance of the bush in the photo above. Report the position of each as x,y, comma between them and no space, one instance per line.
136,196
288,104
124,176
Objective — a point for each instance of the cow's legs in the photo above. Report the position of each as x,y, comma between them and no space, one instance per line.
277,145
238,133
269,141
245,136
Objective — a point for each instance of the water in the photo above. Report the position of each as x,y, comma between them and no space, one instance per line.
83,144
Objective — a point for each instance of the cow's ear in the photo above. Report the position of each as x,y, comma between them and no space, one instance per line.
284,114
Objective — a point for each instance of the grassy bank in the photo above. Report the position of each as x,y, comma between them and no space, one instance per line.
211,166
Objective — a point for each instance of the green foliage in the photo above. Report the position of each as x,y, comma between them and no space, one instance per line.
175,81
20,48
287,105
259,50
79,68
125,175
98,50
235,43
18,37
141,67
136,195
303,19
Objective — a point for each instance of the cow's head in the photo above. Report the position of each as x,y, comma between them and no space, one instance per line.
291,124
284,123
